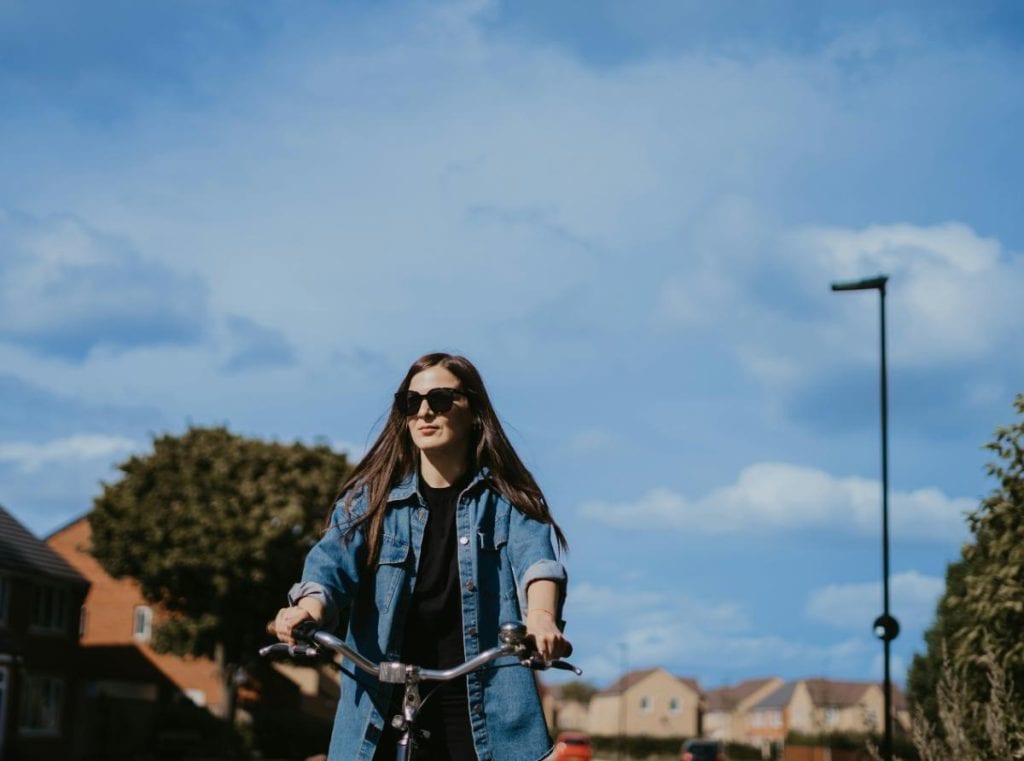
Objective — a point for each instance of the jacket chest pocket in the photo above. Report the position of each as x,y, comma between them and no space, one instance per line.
494,571
391,571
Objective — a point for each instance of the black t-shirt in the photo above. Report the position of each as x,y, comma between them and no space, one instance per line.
433,628
433,631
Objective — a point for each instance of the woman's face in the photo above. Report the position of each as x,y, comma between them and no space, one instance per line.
439,432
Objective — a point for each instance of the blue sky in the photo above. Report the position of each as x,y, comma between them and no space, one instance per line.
628,215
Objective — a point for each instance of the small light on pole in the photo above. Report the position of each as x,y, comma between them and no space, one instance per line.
885,627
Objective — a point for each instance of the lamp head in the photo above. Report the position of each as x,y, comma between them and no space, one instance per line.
867,284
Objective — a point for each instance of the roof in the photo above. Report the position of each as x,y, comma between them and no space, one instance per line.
691,682
627,680
631,678
824,692
23,552
776,698
727,698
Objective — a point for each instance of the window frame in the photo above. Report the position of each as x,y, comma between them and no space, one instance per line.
5,598
34,685
143,613
50,616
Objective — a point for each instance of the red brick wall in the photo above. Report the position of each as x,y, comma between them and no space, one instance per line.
110,610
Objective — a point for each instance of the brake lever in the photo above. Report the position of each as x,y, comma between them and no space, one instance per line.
537,663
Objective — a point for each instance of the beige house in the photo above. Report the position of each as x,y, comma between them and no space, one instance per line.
647,702
726,708
816,706
560,712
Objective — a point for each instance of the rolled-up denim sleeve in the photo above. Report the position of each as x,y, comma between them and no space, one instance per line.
532,555
331,571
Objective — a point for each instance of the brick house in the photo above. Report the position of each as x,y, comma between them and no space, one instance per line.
116,617
132,688
40,601
649,702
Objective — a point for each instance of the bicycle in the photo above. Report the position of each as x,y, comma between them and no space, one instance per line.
317,645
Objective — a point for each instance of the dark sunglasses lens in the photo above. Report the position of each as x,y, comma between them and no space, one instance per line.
409,403
440,399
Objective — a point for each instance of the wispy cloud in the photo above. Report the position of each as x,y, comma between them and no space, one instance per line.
31,457
66,288
697,637
782,497
852,606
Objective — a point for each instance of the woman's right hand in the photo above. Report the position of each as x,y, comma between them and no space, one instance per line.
287,619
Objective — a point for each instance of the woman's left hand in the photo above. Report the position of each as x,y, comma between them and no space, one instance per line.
548,638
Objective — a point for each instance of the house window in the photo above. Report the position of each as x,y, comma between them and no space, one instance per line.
4,595
50,608
831,715
42,701
645,704
142,625
673,705
776,718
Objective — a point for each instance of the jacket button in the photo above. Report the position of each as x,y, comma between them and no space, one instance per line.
463,540
471,631
470,586
478,708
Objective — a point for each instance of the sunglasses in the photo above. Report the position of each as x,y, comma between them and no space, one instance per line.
440,400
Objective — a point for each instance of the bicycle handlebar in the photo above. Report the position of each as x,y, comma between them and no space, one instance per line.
312,642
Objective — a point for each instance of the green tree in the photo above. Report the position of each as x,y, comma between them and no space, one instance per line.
980,618
214,527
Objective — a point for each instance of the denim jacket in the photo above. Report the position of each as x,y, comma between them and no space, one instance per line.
500,552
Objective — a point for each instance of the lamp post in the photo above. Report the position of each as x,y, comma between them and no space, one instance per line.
886,628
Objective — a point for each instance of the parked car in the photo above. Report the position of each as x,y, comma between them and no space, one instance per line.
574,746
702,750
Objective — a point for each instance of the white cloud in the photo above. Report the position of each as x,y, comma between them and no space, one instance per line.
31,457
913,597
953,294
66,288
952,297
688,647
783,497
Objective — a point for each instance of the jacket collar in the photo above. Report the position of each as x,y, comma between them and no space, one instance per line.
409,486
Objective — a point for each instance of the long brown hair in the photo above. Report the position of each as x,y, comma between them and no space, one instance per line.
393,457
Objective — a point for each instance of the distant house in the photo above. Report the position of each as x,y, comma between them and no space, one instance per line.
647,702
117,617
560,712
726,708
818,706
130,686
40,601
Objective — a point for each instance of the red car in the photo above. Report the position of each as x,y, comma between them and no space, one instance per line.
573,746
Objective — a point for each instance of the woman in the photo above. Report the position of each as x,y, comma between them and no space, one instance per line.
439,536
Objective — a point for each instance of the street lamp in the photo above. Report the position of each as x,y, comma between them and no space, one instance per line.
885,627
